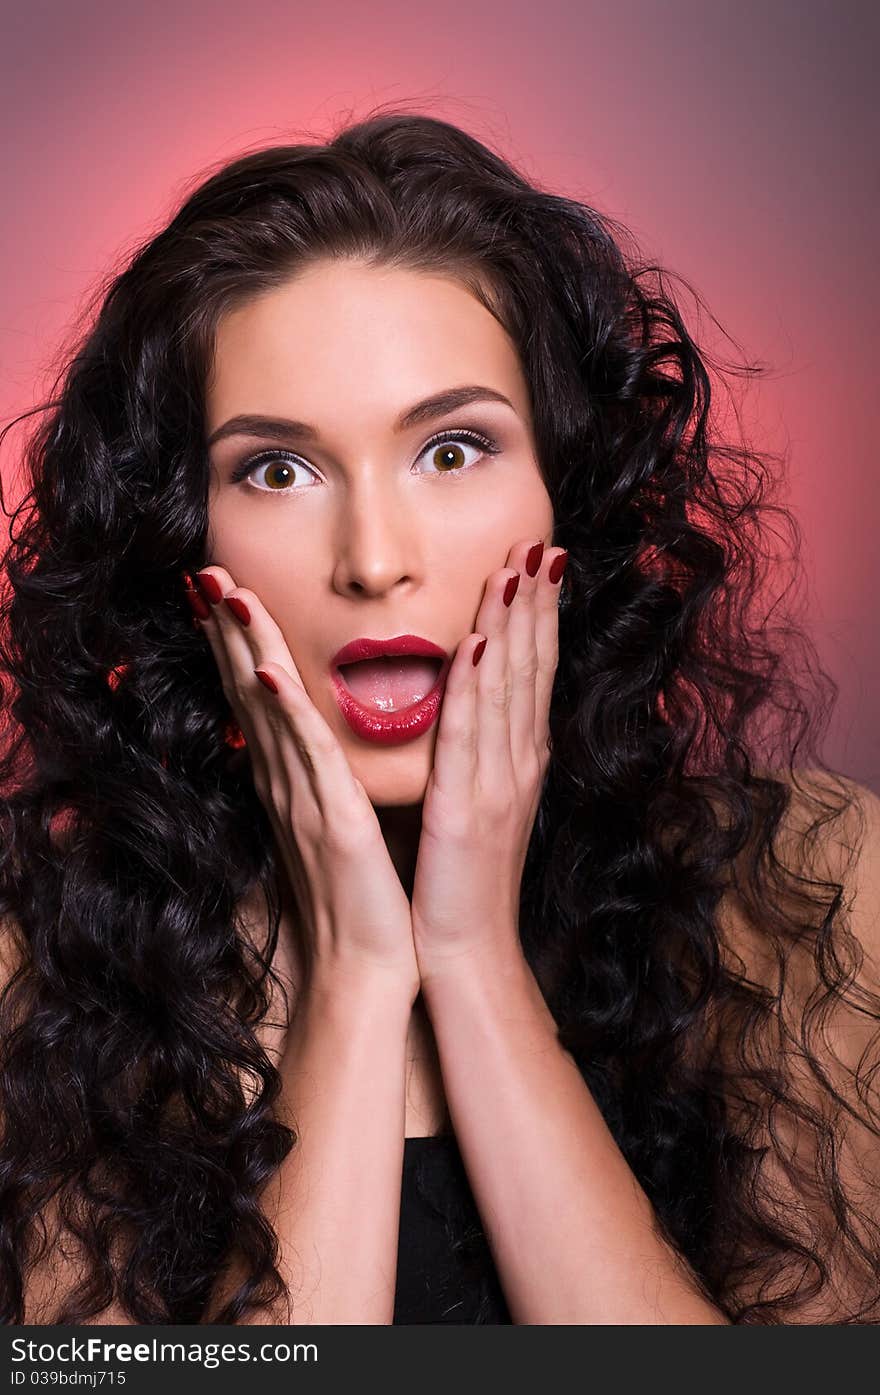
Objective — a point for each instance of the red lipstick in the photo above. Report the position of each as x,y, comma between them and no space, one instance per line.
405,723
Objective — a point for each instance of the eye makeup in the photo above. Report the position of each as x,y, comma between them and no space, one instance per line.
464,434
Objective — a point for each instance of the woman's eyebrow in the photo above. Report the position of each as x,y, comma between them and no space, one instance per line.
281,428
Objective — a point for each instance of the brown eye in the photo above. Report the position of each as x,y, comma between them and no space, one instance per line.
448,457
278,471
447,453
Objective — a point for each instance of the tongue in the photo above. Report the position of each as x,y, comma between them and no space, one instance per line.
391,683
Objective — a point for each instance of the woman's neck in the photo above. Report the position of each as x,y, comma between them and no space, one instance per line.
401,826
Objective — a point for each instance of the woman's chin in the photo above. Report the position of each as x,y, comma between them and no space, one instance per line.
395,796
394,776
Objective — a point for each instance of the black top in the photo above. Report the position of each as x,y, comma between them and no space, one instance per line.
445,1271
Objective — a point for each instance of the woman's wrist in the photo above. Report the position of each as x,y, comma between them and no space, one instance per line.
354,985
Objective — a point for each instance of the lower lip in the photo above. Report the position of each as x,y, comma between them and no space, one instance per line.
390,728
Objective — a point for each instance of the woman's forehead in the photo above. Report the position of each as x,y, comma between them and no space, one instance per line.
371,342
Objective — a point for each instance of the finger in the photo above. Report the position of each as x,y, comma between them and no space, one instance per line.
256,744
549,583
522,651
455,754
494,686
247,620
294,737
233,657
304,741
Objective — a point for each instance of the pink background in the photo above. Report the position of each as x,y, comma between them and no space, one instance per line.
738,143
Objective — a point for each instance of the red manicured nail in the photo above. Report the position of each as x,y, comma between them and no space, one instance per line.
557,567
510,589
239,609
209,587
478,652
233,735
200,609
533,558
267,680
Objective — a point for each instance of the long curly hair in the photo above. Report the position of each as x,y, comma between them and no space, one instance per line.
687,710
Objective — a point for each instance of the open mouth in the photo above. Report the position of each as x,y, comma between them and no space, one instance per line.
391,682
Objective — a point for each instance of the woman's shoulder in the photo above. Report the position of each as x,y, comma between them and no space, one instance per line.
13,954
805,1083
829,836
823,974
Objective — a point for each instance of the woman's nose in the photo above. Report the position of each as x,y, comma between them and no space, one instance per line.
374,578
378,548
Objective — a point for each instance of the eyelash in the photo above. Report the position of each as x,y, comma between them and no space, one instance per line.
474,438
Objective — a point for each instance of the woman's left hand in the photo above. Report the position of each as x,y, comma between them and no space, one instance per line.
490,761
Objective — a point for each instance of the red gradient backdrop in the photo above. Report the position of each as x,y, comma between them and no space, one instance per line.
739,145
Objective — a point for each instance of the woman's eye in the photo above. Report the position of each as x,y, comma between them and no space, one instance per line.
446,455
278,467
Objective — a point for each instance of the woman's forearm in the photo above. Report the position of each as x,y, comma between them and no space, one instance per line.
335,1200
571,1230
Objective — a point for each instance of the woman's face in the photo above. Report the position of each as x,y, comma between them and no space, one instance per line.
357,529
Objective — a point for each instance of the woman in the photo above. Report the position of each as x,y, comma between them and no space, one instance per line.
550,999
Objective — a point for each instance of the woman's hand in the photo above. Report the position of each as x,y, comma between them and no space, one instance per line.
490,760
355,912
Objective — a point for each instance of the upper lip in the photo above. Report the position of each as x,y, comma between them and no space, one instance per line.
358,649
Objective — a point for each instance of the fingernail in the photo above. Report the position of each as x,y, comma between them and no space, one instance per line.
239,609
557,567
267,680
200,609
533,558
209,587
510,589
233,736
478,652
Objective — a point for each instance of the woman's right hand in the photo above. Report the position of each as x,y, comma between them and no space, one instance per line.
356,914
